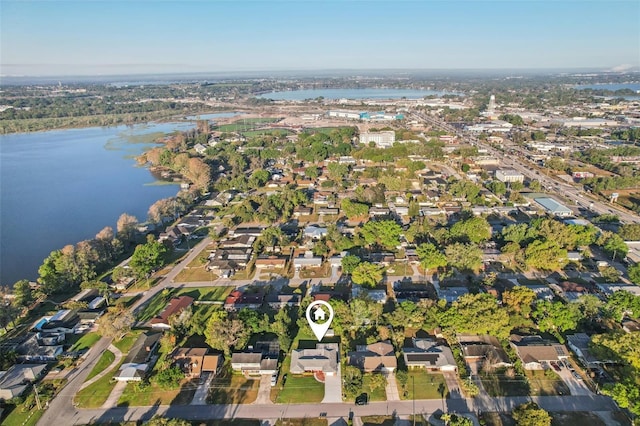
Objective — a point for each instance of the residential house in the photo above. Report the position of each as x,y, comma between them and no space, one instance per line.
429,354
195,361
451,294
173,235
41,347
140,359
307,261
17,378
314,232
85,295
277,301
254,363
200,149
238,242
331,211
579,344
237,300
324,358
175,307
377,295
483,349
302,211
376,357
535,353
63,321
270,262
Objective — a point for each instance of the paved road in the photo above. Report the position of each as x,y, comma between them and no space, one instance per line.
116,361
61,406
274,411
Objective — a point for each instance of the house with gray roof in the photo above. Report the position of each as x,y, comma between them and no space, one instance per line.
483,349
535,352
17,378
429,354
140,359
323,358
378,357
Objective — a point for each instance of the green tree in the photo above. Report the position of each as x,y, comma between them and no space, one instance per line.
22,293
477,314
352,380
613,245
634,273
556,317
545,255
497,187
386,233
349,263
623,303
226,334
169,378
516,233
147,257
337,171
530,414
311,172
519,299
430,257
630,232
259,178
163,421
116,323
464,256
367,274
353,209
475,230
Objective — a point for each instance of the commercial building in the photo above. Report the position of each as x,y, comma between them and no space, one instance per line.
509,176
384,139
553,207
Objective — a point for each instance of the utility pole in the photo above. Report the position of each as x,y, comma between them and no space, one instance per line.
35,389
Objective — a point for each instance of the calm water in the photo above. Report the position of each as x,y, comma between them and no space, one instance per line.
632,86
61,187
299,95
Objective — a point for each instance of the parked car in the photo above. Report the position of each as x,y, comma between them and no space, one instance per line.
555,366
362,399
576,375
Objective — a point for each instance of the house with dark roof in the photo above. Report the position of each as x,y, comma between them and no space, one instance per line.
140,359
430,355
376,357
535,352
175,307
579,344
483,349
41,347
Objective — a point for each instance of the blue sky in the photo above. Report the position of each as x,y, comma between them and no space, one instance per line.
111,37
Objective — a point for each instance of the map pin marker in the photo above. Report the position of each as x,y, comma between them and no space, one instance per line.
319,318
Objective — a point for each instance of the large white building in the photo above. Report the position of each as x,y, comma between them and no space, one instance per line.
509,176
384,139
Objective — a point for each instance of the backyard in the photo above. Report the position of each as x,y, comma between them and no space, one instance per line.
232,388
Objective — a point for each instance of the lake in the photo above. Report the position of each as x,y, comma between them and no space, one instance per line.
300,95
610,86
63,186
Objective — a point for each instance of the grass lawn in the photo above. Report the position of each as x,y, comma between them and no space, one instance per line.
127,301
427,385
154,394
322,272
127,341
204,293
500,385
399,269
274,132
229,388
85,341
244,125
105,360
244,274
195,274
379,394
94,395
17,417
155,306
546,383
576,418
301,389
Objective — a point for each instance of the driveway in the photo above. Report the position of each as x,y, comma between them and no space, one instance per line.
264,391
392,388
115,395
576,387
333,387
200,397
452,384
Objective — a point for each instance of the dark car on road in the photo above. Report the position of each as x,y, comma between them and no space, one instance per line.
362,399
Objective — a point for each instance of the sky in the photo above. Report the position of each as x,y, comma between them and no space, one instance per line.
142,37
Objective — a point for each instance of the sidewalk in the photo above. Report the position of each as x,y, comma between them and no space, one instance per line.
107,370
